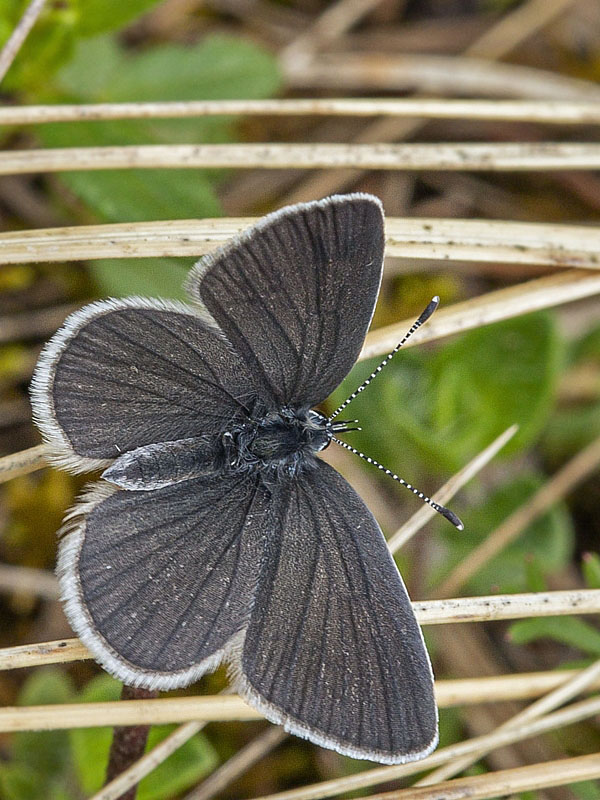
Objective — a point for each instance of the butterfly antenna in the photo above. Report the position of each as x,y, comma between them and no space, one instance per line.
445,512
423,318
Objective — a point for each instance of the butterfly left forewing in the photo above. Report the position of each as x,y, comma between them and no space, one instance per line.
333,650
121,374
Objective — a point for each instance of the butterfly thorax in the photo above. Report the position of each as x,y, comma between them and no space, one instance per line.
285,441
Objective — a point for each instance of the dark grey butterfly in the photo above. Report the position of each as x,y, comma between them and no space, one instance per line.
217,534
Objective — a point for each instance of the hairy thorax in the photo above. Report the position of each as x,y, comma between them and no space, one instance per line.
285,440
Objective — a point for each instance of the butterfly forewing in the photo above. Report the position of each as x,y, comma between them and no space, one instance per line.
158,582
295,295
333,650
126,373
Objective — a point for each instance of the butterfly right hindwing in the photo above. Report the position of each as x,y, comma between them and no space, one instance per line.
333,650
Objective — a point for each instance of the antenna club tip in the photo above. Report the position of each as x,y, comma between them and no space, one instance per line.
451,517
435,299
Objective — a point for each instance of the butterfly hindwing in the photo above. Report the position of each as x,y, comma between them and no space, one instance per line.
295,294
333,650
157,583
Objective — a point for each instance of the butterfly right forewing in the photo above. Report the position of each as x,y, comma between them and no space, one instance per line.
295,294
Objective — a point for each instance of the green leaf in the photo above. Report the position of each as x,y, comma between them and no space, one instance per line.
588,347
46,686
91,746
94,64
590,566
219,67
571,631
48,46
20,782
493,377
570,430
106,15
586,790
535,579
151,277
440,408
45,752
542,549
188,765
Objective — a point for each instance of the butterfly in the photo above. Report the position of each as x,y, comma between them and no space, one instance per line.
216,533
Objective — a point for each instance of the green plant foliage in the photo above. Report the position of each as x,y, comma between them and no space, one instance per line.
66,765
570,631
54,36
586,790
90,747
588,347
570,429
97,16
439,408
49,45
590,567
39,763
544,547
219,67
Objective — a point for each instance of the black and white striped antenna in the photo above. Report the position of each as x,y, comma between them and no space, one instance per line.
337,426
423,318
445,512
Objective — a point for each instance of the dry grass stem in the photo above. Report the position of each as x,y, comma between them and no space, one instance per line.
515,27
18,36
21,463
580,467
148,762
235,766
577,684
60,651
505,782
497,41
329,26
38,582
158,711
435,75
371,777
222,708
415,238
489,157
551,290
540,111
449,489
428,612
498,688
451,692
507,606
